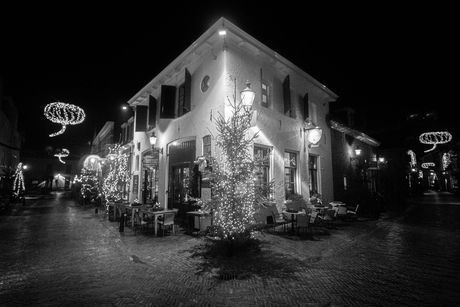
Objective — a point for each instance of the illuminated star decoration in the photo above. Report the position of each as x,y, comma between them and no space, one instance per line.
440,137
64,114
64,153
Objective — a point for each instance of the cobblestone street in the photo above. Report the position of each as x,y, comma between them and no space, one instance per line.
55,253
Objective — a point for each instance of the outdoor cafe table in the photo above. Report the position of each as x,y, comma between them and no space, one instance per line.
116,206
292,217
133,209
321,209
155,215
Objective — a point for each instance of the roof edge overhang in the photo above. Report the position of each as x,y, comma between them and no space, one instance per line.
361,136
223,23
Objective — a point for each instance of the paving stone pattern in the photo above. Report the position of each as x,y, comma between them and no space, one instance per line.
56,253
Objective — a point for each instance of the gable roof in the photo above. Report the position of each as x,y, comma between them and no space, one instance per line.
206,41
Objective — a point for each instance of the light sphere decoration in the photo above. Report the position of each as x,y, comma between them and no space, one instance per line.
91,162
434,138
64,114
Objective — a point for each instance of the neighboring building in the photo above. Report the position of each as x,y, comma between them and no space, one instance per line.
10,140
46,171
179,106
355,161
103,140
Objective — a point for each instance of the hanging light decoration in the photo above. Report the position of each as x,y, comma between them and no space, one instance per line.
413,160
428,165
64,153
434,138
64,114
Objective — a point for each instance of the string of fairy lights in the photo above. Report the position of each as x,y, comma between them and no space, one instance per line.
64,114
234,175
18,183
117,181
64,153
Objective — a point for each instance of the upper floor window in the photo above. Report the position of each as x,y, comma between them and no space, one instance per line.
287,96
313,115
264,95
168,106
181,101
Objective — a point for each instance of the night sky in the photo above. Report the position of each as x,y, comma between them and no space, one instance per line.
384,60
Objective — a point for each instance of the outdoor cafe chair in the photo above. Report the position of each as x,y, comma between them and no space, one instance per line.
353,212
341,212
139,223
328,217
313,220
168,221
302,222
275,220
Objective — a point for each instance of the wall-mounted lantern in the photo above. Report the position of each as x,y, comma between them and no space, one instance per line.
153,141
314,136
357,153
247,96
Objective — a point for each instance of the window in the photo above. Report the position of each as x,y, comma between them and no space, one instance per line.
137,163
306,107
264,169
181,100
290,173
313,114
207,145
264,95
287,96
313,174
184,95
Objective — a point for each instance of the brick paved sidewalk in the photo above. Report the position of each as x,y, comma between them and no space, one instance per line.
68,255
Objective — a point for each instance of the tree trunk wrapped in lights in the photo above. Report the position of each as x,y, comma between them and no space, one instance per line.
117,182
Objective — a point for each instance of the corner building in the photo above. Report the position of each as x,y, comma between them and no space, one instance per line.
175,119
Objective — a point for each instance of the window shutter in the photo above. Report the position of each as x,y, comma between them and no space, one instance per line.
168,100
141,118
306,113
263,91
287,96
188,92
152,112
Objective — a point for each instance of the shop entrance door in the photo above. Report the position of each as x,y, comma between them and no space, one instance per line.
180,188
